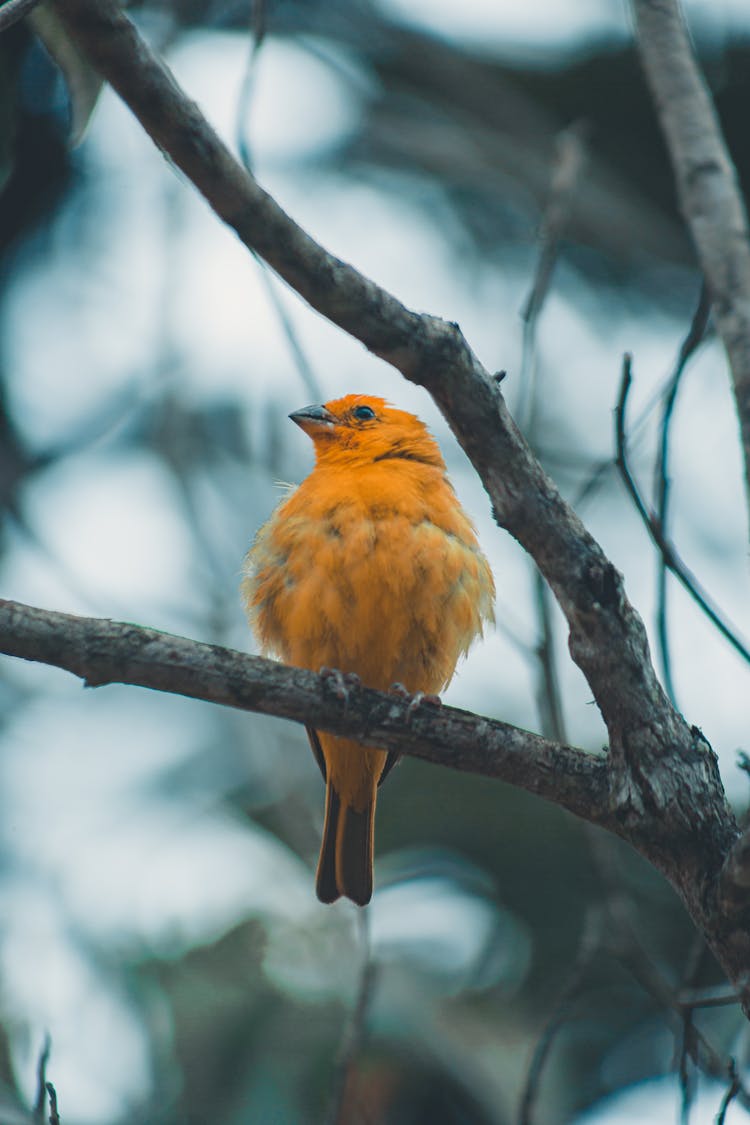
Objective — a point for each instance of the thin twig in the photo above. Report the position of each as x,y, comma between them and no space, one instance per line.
259,21
600,469
686,1076
732,1091
14,10
40,1104
259,27
629,950
302,363
566,171
672,560
717,997
588,947
693,339
54,1116
570,154
354,1035
549,697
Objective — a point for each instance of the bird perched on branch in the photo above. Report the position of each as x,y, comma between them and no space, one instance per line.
371,567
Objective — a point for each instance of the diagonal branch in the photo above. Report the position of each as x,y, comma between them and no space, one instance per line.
707,185
695,336
107,652
655,528
14,10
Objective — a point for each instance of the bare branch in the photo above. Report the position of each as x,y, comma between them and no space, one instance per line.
695,336
297,351
14,10
259,20
734,1088
709,193
627,947
590,944
549,697
40,1105
54,1114
718,997
570,157
672,560
566,171
106,652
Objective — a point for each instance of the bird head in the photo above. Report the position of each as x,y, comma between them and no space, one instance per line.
365,429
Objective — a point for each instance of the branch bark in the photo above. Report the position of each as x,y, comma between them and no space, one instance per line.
14,10
734,881
710,196
665,793
107,652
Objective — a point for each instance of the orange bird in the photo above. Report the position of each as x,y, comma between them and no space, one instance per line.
371,566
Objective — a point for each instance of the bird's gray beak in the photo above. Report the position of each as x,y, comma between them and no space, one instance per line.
312,418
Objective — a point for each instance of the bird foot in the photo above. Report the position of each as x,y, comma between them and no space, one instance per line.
340,682
415,700
400,690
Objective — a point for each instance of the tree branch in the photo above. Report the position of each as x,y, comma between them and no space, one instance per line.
710,196
106,652
14,10
695,336
655,527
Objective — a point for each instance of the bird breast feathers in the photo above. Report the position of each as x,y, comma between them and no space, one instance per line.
373,581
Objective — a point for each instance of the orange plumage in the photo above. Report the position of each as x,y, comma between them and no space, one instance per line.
369,566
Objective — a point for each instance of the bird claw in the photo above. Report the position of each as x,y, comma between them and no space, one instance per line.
426,698
340,682
416,700
400,690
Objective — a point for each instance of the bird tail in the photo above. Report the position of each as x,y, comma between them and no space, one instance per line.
345,864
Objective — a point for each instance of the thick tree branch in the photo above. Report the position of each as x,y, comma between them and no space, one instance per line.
710,196
107,652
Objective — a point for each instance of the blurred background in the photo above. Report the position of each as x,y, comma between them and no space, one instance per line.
157,910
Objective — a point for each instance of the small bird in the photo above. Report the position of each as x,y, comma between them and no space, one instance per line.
371,567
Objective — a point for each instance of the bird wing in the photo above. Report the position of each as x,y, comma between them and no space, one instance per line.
390,762
317,750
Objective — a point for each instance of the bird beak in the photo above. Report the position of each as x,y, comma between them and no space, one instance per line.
313,419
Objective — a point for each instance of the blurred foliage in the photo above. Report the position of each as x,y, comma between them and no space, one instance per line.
484,890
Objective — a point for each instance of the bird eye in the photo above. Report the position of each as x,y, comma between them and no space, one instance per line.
363,413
